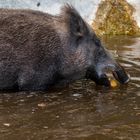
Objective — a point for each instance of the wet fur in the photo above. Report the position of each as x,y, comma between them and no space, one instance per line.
37,50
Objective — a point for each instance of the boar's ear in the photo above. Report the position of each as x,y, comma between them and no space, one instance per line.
76,25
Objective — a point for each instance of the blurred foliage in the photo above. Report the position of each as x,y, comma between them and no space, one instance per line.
115,17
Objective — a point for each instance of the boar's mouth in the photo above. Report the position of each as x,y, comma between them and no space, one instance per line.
102,79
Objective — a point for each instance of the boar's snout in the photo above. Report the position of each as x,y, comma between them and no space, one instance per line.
121,75
100,77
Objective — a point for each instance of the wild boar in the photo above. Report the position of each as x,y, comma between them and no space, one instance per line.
39,50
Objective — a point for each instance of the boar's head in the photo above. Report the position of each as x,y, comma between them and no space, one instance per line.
83,53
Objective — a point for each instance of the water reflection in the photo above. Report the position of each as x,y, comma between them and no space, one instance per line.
82,111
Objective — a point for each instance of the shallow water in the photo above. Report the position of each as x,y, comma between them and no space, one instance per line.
82,111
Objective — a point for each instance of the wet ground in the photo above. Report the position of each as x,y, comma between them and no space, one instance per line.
82,111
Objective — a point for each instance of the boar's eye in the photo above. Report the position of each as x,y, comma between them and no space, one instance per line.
97,42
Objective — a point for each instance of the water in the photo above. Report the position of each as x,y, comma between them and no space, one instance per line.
80,111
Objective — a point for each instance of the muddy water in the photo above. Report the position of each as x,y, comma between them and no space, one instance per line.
82,111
